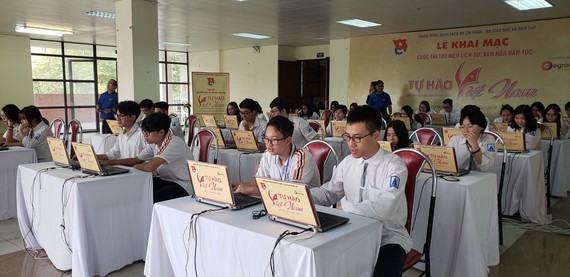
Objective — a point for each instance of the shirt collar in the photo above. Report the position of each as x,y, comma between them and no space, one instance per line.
133,129
375,159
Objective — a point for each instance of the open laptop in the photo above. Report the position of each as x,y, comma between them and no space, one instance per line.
209,121
405,119
515,142
438,119
114,126
291,203
448,133
212,186
222,141
443,158
554,127
59,154
501,126
338,128
89,163
245,141
386,145
231,122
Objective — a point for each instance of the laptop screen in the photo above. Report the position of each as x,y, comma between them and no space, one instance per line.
287,200
448,133
338,128
57,150
231,122
114,126
244,140
209,121
210,181
385,145
438,119
86,157
442,157
405,119
501,127
219,137
514,140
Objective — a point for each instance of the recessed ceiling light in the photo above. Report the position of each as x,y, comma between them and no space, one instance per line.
176,43
250,35
42,31
523,5
101,14
359,23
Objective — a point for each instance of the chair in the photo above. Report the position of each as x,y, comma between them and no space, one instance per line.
190,124
321,150
426,118
56,126
204,137
501,182
414,161
76,134
398,114
492,126
327,114
318,129
171,115
547,170
426,136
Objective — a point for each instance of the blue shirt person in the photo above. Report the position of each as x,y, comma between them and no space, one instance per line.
381,100
106,104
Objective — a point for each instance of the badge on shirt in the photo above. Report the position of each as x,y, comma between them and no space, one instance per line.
36,136
395,182
491,147
309,129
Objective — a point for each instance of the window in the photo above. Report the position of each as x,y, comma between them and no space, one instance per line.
173,79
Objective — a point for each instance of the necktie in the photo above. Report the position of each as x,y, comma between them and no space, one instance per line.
449,119
363,181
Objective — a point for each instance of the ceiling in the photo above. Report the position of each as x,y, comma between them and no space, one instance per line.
209,24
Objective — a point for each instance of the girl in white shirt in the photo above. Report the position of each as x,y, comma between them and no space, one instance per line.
10,117
526,122
34,132
307,112
538,111
507,113
425,108
554,115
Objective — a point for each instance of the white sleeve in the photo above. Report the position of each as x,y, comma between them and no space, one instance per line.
115,152
331,192
38,138
264,164
147,153
306,129
489,150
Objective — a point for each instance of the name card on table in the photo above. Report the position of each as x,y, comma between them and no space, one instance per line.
338,128
438,119
442,157
231,122
513,140
322,124
501,126
209,121
385,145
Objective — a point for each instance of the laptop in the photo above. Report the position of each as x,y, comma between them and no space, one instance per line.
89,163
209,121
212,186
443,158
291,203
501,126
386,145
338,128
438,119
405,119
448,133
553,127
515,142
3,147
222,141
231,122
59,154
245,141
114,126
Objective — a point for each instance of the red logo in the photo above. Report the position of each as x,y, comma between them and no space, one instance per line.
211,81
201,101
547,65
400,46
471,78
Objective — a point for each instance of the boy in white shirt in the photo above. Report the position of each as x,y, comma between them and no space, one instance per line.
452,114
249,111
302,131
175,126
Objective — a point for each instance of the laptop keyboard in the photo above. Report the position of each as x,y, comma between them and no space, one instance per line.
328,219
242,199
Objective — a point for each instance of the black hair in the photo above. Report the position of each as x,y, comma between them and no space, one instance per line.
370,116
32,113
129,108
310,110
161,105
147,103
476,117
448,101
156,122
113,81
11,111
236,108
426,103
248,103
379,82
281,104
539,106
567,106
353,105
557,111
401,132
468,108
258,107
409,111
530,121
343,108
373,84
507,107
334,103
282,124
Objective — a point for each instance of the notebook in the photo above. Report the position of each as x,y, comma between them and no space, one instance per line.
114,126
212,186
209,121
405,119
291,203
546,133
448,133
59,154
386,145
231,122
245,141
338,128
89,163
443,158
515,142
438,119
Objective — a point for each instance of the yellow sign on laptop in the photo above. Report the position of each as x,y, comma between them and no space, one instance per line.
443,158
338,128
501,126
515,142
448,133
404,119
219,137
59,154
245,140
322,124
553,127
89,163
291,203
114,126
231,122
438,119
385,145
209,121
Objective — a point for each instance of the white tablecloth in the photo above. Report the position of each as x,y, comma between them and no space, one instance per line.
465,238
107,219
9,161
102,143
560,168
231,243
524,189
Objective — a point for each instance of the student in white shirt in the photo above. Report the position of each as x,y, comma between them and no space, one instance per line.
452,114
283,160
10,116
165,154
307,112
130,141
175,126
371,182
424,107
538,111
526,122
147,107
302,131
339,115
34,132
474,149
507,113
248,109
554,115
397,135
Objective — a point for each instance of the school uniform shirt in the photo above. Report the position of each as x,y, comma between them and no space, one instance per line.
175,152
382,197
176,127
302,131
329,128
498,120
430,112
452,117
258,129
300,166
37,139
532,139
463,154
15,132
129,144
314,116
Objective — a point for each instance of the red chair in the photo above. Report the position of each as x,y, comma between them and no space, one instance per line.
172,115
544,127
190,124
327,116
501,182
203,139
318,129
76,134
426,136
56,126
399,114
424,117
321,150
414,161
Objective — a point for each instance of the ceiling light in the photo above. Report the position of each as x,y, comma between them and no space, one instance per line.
249,35
175,43
359,23
101,14
523,5
42,31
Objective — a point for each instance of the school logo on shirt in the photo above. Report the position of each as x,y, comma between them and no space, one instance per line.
36,136
309,129
491,147
395,182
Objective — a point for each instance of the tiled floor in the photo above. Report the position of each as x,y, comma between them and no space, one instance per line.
529,253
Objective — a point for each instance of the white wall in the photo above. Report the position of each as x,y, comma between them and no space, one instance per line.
310,52
339,71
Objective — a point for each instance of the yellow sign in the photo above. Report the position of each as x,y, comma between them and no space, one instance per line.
210,181
404,119
86,156
244,140
321,124
218,133
114,126
209,121
546,132
501,127
57,150
513,140
448,133
385,145
442,157
231,122
210,93
438,119
338,128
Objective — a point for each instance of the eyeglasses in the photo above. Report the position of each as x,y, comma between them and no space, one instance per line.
146,133
244,113
468,127
273,141
121,115
356,139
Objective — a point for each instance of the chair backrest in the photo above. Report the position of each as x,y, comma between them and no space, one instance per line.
76,133
424,117
318,129
398,114
56,126
321,150
426,136
543,127
499,139
327,114
191,124
171,115
204,139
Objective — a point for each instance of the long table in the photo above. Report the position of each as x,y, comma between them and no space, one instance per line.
231,243
9,161
560,168
103,143
105,220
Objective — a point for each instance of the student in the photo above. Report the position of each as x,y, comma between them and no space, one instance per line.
334,106
416,121
339,115
165,154
251,122
259,111
282,160
147,107
307,112
538,111
397,135
554,115
452,114
233,109
11,117
424,107
130,141
34,131
474,149
352,106
175,126
526,122
507,112
302,131
371,182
